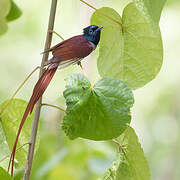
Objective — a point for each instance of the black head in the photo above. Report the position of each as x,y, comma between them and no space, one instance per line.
92,33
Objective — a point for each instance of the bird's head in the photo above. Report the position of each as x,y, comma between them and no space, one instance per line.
92,33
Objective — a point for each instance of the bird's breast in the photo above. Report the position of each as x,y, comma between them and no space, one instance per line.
92,45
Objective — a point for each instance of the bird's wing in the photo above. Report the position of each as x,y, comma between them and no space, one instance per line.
75,47
67,63
54,47
71,45
70,51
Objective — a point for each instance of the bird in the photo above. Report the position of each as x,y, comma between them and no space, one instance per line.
67,52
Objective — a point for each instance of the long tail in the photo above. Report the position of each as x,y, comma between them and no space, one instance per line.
38,91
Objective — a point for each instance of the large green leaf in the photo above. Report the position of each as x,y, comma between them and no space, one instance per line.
152,8
98,112
14,12
10,120
130,48
131,163
4,175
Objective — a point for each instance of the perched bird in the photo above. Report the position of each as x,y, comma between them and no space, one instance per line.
68,52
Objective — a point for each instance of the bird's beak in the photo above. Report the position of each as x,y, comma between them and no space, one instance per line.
99,28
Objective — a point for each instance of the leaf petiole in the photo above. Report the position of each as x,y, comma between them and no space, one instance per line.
18,89
52,31
102,13
57,107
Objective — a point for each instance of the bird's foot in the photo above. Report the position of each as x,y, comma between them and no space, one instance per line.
79,64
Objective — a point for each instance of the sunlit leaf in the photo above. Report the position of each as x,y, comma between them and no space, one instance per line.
152,8
132,51
100,112
14,12
131,163
10,121
4,175
4,149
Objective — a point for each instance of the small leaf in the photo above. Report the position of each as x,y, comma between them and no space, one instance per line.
130,48
10,120
14,12
4,175
8,12
131,163
98,113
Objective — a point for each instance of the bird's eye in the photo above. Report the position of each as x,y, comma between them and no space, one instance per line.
90,31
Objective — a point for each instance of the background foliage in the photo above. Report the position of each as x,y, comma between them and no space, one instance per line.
156,110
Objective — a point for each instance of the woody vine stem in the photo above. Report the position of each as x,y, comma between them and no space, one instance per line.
38,105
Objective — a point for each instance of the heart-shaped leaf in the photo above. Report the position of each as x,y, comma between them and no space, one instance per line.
152,8
131,163
130,48
10,120
98,112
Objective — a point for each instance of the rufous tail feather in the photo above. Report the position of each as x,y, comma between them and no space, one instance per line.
38,91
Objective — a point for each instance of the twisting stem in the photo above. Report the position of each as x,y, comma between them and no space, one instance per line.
57,107
21,85
38,105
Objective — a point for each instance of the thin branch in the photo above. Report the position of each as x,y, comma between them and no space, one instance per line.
21,85
38,105
5,157
52,31
109,17
117,142
57,107
89,5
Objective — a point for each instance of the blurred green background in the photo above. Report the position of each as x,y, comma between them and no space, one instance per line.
155,116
